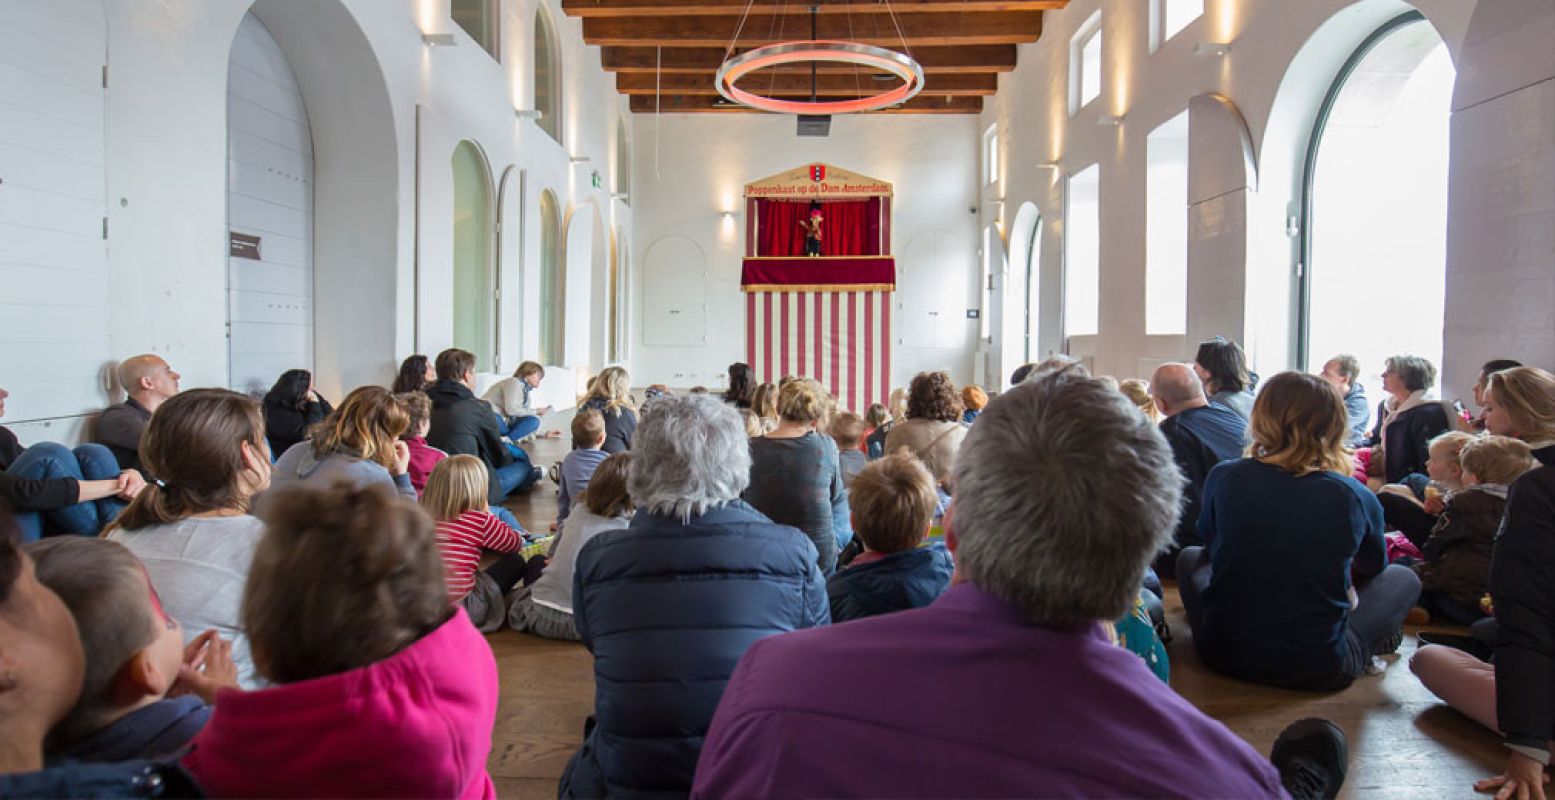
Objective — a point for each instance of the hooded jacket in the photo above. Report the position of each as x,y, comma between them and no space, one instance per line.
1522,581
909,579
301,464
465,425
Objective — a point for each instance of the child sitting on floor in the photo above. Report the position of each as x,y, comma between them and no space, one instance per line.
893,501
1413,516
1456,571
874,416
379,687
134,656
456,500
588,442
847,429
423,457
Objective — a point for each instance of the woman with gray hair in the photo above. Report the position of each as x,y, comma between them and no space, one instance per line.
669,604
1407,420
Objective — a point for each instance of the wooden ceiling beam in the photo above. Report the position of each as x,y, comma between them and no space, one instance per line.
798,85
974,28
691,104
700,8
705,60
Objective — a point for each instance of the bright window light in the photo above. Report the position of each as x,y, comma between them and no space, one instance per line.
991,153
1082,254
1169,17
1085,64
1166,228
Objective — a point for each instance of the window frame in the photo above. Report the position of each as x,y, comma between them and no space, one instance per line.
550,120
491,12
991,155
1090,30
1178,208
1160,17
1069,218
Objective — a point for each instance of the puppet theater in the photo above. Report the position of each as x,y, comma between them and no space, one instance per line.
825,316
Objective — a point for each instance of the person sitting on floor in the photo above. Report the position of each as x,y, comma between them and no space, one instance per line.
464,425
1269,598
358,442
1455,572
1414,517
1490,368
932,430
416,375
378,686
847,430
456,500
742,385
518,418
148,382
696,578
1202,434
134,657
45,668
764,403
1222,367
874,416
66,491
874,442
292,407
588,452
893,501
610,395
1343,372
423,457
1048,553
795,478
1137,391
973,400
545,607
1407,420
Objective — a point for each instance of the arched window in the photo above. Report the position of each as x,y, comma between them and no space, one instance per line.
474,295
548,77
1374,203
552,282
623,163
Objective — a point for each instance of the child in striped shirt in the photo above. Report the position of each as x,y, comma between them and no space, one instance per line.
456,500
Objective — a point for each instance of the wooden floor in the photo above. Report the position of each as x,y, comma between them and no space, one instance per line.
1403,742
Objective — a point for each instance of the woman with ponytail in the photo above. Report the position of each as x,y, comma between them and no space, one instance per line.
191,527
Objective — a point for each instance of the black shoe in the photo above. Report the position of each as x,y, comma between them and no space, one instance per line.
1391,644
1312,756
535,474
1467,644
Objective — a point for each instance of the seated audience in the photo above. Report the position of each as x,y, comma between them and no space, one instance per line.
545,607
973,399
754,427
1048,553
588,442
1343,373
464,425
291,408
1456,571
795,478
1138,393
874,416
1407,420
456,501
148,382
59,489
192,528
134,657
1511,696
695,579
1222,366
893,501
1269,598
1202,434
611,396
358,442
416,375
423,457
1136,632
742,385
378,688
518,418
932,430
764,403
847,430
874,442
1414,517
44,672
1490,368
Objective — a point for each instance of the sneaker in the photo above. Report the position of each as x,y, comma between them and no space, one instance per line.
535,474
1390,644
1312,756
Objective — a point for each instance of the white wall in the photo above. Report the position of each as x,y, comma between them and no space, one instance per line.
697,169
364,72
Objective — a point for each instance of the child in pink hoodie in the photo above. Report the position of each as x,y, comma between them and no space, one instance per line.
380,688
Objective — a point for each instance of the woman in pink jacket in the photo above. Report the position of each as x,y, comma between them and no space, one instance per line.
380,687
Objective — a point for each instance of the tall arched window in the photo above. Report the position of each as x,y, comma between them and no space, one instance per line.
474,295
552,282
1375,203
548,77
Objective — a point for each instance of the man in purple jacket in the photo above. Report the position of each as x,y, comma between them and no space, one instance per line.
1008,685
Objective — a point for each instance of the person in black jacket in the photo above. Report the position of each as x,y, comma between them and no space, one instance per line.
1407,421
1202,434
463,424
73,491
291,407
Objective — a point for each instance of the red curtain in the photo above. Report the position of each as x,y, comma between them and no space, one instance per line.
850,227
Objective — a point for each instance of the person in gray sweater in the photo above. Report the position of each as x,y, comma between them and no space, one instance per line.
359,442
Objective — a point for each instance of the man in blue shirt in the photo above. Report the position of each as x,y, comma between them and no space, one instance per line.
1341,371
1202,434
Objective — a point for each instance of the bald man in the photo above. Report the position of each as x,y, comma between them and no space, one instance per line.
1202,434
148,382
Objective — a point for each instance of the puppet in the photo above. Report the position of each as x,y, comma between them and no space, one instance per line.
812,232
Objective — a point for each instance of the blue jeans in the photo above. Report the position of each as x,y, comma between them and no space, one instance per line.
516,428
90,462
517,475
501,512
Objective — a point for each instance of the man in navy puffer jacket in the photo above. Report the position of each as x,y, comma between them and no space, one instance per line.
668,605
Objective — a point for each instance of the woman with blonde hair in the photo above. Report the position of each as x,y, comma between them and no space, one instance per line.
1520,402
610,395
764,403
192,526
456,500
1269,597
795,477
359,442
1138,392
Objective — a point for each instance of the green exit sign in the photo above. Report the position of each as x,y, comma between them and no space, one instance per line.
599,183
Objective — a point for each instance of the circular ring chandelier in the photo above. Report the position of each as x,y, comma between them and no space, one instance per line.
848,53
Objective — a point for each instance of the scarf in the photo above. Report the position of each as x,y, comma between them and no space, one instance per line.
1392,408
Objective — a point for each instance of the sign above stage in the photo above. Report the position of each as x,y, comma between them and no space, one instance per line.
817,182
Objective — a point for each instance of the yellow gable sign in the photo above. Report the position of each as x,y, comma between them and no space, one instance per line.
817,182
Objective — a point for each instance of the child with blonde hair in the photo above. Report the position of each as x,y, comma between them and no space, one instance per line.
456,500
1414,517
